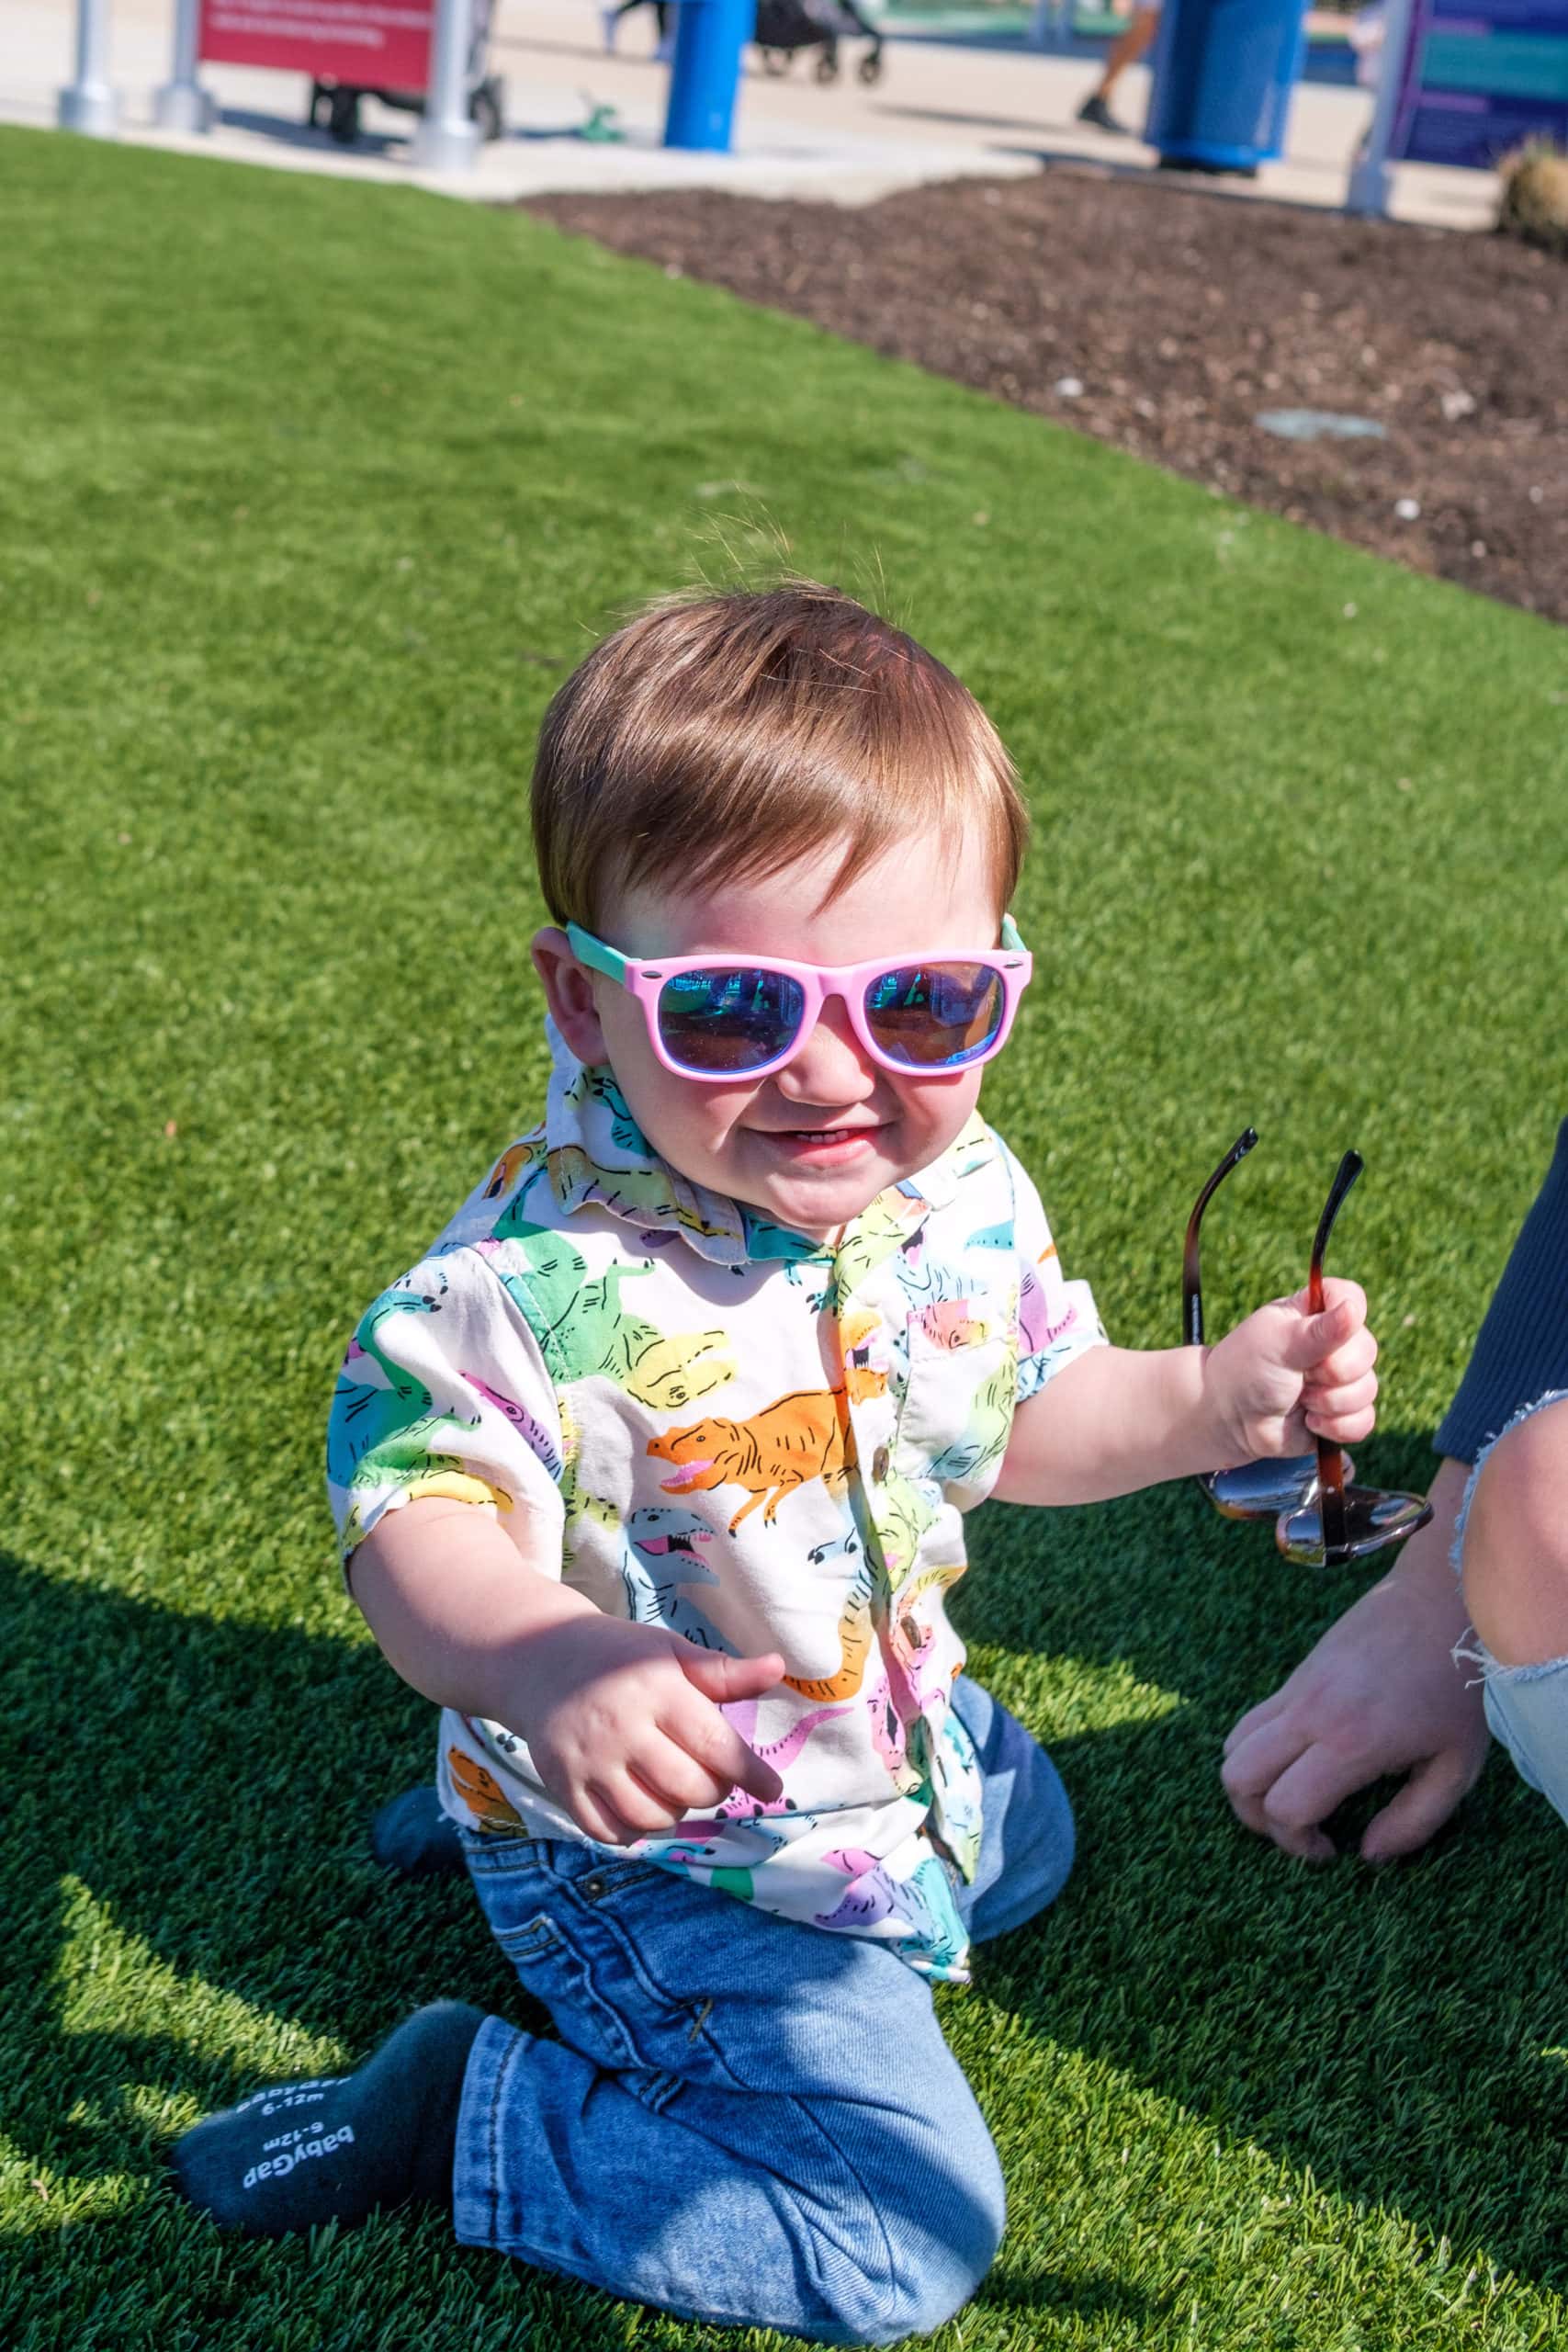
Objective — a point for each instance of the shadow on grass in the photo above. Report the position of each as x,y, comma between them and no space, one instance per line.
197,1786
181,1792
1088,2294
206,1786
1397,2031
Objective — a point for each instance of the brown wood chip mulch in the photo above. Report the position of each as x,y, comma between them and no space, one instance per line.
1182,315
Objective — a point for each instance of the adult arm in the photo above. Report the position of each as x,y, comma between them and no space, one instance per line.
1380,1693
1521,1349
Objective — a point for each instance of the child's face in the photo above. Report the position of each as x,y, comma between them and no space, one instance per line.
812,1145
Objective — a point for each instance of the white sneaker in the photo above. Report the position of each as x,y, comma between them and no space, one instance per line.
609,19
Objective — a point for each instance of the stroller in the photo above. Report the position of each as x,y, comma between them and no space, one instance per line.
334,105
784,25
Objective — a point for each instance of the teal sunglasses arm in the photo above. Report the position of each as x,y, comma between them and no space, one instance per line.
615,967
594,952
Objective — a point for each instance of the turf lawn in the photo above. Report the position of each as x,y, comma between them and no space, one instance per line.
312,493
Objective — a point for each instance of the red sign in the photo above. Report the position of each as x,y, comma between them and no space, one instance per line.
380,44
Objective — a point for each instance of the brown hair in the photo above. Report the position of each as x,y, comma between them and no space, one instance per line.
741,731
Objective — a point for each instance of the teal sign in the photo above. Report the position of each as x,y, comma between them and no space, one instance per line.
1480,77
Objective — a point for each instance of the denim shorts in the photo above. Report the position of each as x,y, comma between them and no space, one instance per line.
743,2120
1527,1706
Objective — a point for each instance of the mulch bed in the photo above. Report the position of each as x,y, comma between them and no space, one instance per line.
1182,314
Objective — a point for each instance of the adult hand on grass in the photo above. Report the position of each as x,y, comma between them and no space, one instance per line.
1378,1694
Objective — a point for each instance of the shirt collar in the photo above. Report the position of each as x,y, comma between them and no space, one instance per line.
598,1157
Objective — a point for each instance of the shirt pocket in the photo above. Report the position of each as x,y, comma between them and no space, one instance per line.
958,1404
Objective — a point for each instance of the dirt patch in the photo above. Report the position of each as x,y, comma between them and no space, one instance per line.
1180,316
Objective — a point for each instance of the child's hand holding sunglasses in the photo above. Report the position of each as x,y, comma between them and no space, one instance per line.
1287,1376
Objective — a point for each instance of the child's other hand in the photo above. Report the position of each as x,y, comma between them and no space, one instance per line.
624,1726
1287,1376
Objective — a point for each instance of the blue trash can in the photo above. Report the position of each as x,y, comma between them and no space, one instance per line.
709,37
1224,71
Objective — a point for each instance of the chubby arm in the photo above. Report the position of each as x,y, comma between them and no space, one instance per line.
456,1607
1116,1419
1111,1420
623,1721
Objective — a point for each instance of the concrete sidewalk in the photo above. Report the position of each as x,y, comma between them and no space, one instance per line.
945,107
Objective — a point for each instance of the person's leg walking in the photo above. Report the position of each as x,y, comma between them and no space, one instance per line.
610,17
1126,49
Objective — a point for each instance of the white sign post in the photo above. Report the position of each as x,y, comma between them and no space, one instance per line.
1369,181
182,104
89,104
447,139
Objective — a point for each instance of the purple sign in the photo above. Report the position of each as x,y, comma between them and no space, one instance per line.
1480,76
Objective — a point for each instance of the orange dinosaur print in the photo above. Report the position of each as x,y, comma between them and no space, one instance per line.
482,1794
952,1323
862,1378
854,1647
510,1165
802,1436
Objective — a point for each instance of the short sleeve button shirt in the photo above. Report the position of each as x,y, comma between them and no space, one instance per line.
755,1440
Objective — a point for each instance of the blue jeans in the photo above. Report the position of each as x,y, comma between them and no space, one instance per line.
745,2120
1527,1706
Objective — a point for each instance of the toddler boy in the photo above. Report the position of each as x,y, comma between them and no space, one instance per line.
652,1474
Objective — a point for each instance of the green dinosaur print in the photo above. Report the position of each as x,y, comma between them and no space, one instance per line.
644,1196
875,1234
903,1511
409,1458
583,1328
400,1382
599,1084
988,1427
766,1241
582,1510
369,1416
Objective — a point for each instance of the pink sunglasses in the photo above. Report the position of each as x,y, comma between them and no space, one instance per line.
722,1017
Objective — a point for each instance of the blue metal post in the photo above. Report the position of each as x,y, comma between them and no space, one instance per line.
709,37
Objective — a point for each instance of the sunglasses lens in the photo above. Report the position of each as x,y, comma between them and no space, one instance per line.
731,1018
1372,1522
936,1016
1262,1489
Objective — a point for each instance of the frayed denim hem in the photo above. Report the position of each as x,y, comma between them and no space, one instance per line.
1527,1713
1473,1651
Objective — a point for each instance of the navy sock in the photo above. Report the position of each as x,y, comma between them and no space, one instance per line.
411,1836
333,2148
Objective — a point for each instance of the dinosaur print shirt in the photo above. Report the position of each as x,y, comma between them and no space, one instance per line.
759,1440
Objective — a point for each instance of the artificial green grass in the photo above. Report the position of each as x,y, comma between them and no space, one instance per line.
312,493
